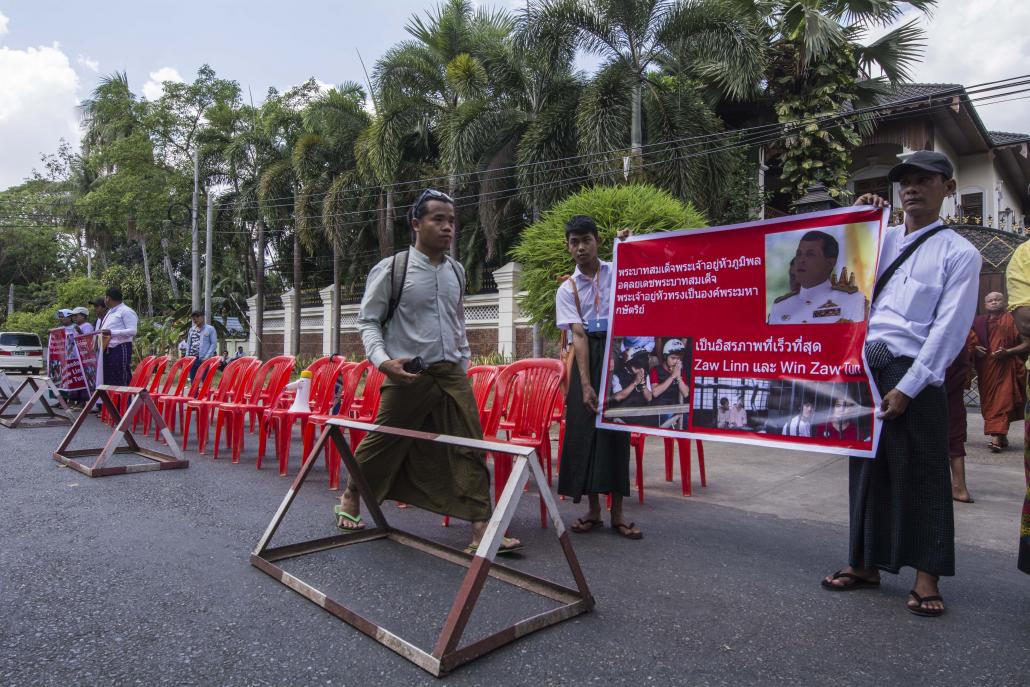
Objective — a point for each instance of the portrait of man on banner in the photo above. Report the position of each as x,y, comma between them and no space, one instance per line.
819,276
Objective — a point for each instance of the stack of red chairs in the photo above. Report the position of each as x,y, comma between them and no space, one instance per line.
526,393
148,368
178,375
351,376
235,377
326,372
268,384
172,405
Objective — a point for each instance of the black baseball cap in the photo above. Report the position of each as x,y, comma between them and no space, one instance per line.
926,161
99,302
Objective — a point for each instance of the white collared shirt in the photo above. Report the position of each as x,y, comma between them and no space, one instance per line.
594,297
925,310
122,321
820,304
429,321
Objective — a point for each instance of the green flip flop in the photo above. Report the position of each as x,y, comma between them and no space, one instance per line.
342,515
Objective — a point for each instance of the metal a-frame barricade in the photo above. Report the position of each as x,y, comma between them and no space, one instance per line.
140,399
6,387
446,654
41,388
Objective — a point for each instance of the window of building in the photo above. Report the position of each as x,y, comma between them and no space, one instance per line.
973,207
878,185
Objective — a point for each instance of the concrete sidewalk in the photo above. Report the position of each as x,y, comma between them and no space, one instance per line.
145,579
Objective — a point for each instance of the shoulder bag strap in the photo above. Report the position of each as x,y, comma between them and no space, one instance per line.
900,260
398,273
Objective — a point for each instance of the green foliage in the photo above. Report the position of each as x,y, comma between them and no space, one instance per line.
132,282
78,291
36,322
816,152
542,250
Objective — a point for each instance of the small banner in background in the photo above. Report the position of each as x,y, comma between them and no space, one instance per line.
751,333
71,360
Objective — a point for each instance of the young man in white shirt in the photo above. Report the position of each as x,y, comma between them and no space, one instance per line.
593,461
117,330
900,503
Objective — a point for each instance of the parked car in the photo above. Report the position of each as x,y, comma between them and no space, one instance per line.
21,351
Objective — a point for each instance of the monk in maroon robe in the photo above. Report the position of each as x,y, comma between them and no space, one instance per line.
999,355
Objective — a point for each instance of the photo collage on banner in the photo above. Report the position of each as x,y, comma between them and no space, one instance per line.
751,333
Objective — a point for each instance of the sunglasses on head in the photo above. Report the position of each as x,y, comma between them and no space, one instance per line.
429,194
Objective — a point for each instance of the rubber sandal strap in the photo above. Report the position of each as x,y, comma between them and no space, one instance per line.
339,512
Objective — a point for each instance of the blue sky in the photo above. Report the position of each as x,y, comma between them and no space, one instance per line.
53,53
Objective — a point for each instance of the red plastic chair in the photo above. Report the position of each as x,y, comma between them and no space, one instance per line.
483,378
637,441
369,407
140,377
178,375
280,420
235,376
172,405
268,383
351,374
526,392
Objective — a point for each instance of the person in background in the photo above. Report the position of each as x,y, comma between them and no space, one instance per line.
80,320
99,310
201,341
64,318
1017,281
956,379
117,330
999,354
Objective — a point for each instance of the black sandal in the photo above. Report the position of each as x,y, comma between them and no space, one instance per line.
925,612
857,582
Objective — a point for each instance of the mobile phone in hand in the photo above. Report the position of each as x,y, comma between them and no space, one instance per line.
415,366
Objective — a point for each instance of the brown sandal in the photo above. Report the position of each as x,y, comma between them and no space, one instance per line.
582,526
627,531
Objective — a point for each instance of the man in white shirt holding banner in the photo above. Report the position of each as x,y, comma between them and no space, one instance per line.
117,331
922,306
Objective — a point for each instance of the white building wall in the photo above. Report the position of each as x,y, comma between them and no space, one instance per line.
976,173
941,146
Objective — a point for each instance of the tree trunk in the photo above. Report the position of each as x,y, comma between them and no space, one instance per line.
334,303
636,133
168,269
10,299
259,292
146,276
452,184
384,224
297,274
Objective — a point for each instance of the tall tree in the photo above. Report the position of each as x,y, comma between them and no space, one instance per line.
429,79
820,69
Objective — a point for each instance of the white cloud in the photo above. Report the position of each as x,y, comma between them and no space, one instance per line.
88,63
38,102
3,23
153,88
976,42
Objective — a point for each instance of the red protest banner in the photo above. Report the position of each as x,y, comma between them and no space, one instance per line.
751,333
71,361
55,355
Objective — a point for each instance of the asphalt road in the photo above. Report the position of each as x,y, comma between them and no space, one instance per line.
144,579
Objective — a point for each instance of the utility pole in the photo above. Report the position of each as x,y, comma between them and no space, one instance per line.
259,291
196,230
209,256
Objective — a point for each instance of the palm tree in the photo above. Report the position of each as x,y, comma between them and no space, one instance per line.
819,67
428,80
324,162
632,38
